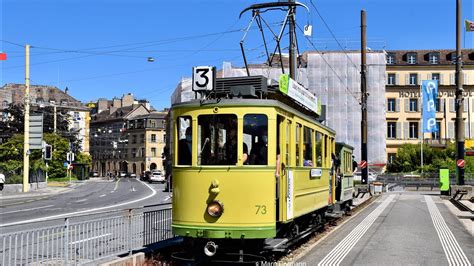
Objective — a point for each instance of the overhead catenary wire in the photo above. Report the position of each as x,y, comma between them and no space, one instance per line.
334,36
332,69
137,45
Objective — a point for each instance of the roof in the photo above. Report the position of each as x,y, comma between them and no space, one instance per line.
153,115
40,95
422,57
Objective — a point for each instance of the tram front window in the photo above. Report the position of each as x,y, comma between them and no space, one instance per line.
256,138
217,139
184,140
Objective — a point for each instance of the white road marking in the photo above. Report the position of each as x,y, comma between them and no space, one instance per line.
452,250
79,201
87,239
24,210
103,195
83,211
338,253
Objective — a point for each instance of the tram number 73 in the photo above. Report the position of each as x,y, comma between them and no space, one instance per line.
261,209
204,78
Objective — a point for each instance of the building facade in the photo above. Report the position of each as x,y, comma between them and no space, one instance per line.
126,136
405,71
146,136
41,97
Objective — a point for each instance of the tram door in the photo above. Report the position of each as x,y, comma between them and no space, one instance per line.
284,183
279,163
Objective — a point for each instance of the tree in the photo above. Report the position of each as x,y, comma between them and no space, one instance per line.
15,121
11,156
408,159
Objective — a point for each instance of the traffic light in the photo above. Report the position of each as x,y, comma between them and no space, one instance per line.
48,152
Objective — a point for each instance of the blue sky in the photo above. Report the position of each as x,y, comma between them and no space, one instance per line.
99,48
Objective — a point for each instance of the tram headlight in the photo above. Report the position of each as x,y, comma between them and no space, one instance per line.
215,208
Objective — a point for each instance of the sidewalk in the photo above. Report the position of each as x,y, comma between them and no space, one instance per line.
52,188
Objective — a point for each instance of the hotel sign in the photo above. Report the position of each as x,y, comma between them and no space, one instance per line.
441,94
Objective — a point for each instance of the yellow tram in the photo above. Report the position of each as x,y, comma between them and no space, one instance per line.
248,163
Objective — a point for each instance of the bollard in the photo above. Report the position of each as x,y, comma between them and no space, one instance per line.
66,241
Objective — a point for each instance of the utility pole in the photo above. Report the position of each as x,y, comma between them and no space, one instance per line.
363,87
292,32
26,144
459,97
54,117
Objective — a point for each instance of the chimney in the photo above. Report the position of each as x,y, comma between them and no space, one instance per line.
127,100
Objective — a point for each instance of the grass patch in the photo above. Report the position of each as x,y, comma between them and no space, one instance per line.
62,179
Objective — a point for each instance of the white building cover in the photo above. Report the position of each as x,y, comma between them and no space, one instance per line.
335,78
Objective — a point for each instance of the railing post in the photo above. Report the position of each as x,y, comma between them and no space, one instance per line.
130,231
66,241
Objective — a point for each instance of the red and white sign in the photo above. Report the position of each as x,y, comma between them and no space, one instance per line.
3,56
363,164
461,163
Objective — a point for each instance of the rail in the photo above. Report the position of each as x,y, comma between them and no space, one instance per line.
86,242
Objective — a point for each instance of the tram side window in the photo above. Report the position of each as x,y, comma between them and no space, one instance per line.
308,147
319,147
217,139
297,141
256,138
184,140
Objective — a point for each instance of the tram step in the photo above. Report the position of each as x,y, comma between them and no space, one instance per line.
275,243
337,214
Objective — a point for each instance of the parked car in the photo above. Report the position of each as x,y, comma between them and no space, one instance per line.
123,174
133,175
145,176
157,176
94,174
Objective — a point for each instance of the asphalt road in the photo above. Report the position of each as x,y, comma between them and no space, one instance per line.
82,201
402,228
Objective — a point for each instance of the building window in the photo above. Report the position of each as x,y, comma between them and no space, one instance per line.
437,104
153,152
411,58
391,105
413,79
435,76
391,130
143,152
390,58
413,127
391,79
434,58
436,135
134,153
413,105
152,123
153,137
452,57
134,139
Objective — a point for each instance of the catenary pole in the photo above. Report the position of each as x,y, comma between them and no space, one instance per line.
26,143
363,86
459,97
292,32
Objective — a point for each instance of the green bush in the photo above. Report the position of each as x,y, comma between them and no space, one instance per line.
14,179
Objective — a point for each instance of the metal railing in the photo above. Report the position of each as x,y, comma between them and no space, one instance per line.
430,180
86,241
